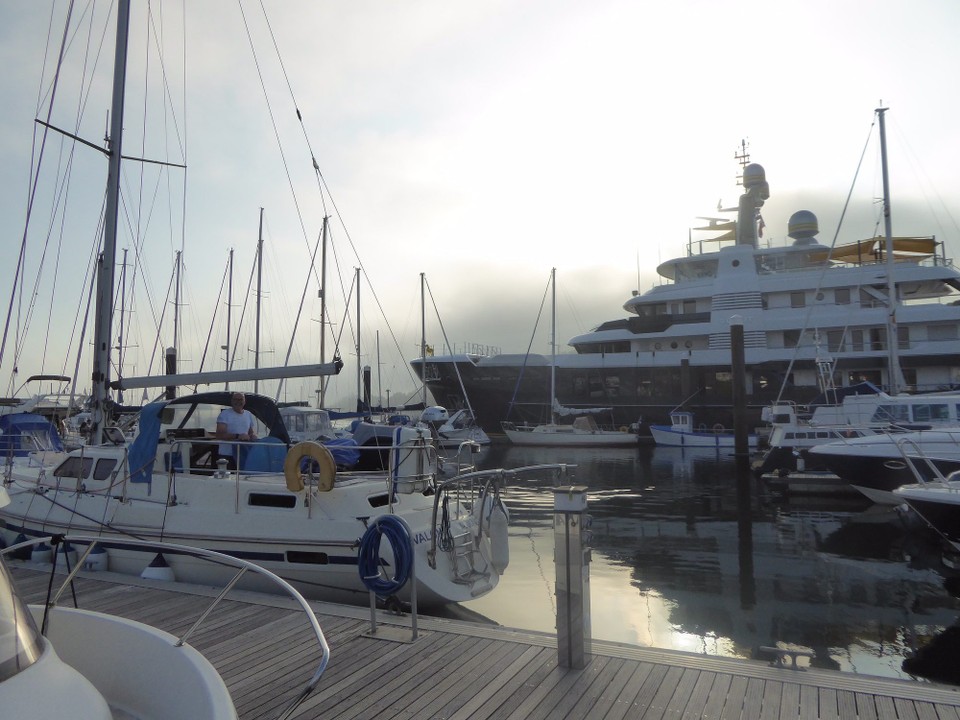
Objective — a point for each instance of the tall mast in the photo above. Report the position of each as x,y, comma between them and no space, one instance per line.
895,380
553,340
423,336
105,277
226,385
359,366
321,393
256,352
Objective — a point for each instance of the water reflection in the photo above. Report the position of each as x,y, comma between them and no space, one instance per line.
690,554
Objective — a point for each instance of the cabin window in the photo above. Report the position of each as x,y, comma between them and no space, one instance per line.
689,307
103,468
273,500
835,340
841,296
856,340
307,558
797,299
933,411
74,467
891,413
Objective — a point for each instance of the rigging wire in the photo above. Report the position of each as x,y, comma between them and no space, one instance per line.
33,190
823,269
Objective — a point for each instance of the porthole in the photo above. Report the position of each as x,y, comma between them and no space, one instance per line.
736,263
819,296
673,345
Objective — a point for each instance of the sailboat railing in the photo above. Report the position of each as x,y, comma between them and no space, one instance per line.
242,566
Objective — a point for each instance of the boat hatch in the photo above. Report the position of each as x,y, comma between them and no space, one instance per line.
379,500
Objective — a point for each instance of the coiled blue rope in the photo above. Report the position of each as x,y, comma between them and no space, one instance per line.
368,557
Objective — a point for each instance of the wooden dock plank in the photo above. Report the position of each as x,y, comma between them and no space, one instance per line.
578,683
790,701
586,704
464,671
717,696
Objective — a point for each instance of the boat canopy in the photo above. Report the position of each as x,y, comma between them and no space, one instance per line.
904,248
23,433
143,450
562,411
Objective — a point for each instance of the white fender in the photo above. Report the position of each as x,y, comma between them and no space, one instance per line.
499,542
314,451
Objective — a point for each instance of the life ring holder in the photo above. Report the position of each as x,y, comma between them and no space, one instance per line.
718,428
316,452
623,428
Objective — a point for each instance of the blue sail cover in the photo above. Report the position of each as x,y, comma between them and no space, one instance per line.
23,433
142,453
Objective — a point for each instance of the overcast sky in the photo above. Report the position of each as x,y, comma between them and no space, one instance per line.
478,143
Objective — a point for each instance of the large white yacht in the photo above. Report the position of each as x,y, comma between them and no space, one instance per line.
795,301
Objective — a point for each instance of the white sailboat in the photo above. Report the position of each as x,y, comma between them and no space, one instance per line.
68,662
286,508
583,431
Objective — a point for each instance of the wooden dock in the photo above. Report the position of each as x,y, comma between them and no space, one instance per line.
468,671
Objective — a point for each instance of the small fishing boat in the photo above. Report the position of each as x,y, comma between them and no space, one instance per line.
682,433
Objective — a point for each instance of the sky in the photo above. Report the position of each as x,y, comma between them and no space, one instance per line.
477,144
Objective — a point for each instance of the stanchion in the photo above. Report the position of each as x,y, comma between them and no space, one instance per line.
371,573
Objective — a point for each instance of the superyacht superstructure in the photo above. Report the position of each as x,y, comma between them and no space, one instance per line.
796,302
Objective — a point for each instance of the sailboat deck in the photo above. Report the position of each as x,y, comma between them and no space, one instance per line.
460,670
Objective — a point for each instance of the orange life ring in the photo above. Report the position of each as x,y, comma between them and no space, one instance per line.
317,452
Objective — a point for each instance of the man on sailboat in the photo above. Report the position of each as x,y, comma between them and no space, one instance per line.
234,423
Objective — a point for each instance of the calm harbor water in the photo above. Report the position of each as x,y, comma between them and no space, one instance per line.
681,560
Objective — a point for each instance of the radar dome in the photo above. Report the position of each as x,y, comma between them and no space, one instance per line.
803,227
753,174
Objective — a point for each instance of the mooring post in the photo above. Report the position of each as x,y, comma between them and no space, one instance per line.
572,561
741,443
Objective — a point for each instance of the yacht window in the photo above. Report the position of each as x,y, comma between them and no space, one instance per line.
72,467
103,468
835,340
689,307
891,413
841,296
822,434
791,436
856,340
925,413
797,299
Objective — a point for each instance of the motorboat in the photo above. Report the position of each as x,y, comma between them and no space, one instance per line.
857,414
58,662
673,348
878,464
287,506
938,503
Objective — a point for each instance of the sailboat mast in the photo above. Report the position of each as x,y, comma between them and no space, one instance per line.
893,342
322,391
226,385
359,366
423,336
256,352
553,341
105,278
